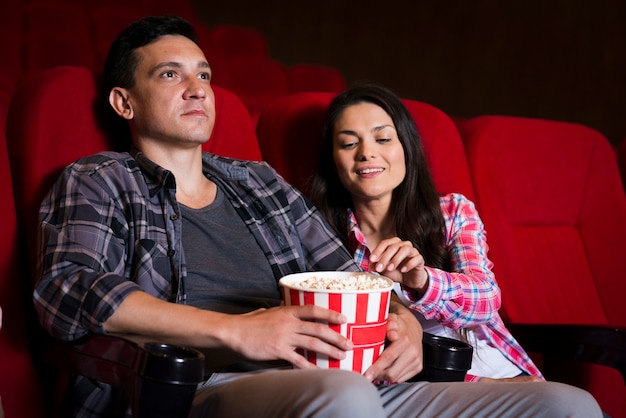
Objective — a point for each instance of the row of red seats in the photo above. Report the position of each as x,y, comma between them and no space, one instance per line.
549,194
551,198
49,33
238,73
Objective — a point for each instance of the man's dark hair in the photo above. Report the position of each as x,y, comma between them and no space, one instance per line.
121,61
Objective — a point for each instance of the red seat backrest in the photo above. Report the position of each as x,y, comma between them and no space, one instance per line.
552,202
621,160
257,81
290,132
20,388
57,117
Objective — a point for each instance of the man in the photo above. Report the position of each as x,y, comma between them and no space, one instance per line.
167,242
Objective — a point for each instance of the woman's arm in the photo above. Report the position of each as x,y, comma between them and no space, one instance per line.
465,296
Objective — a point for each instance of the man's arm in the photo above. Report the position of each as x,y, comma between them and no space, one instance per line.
264,334
99,269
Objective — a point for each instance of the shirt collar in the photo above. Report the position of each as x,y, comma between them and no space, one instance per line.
158,177
357,242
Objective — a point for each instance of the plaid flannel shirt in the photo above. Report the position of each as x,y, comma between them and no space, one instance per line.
111,225
466,297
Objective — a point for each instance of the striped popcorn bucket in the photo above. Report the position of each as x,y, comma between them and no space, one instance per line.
366,309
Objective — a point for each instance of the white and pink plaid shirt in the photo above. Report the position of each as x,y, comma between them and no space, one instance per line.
468,295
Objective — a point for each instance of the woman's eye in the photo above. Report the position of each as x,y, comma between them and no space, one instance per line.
383,140
348,145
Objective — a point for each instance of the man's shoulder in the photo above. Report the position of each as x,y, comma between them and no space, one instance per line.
103,158
103,162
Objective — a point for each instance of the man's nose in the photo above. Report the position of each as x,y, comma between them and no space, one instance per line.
195,89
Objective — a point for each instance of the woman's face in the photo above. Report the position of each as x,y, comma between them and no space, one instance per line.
368,154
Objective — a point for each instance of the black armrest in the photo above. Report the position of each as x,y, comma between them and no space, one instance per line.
587,343
159,379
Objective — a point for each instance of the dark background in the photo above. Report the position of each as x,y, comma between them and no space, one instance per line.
553,59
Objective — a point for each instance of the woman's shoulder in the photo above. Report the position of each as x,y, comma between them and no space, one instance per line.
456,202
456,198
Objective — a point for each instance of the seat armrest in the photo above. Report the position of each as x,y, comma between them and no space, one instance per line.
159,379
601,345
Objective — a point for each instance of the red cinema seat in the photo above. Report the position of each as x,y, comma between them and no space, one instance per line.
290,134
55,118
621,161
257,82
552,202
20,388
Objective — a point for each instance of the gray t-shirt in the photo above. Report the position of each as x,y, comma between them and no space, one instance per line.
226,268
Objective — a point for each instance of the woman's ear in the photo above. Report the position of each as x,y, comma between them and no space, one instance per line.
118,99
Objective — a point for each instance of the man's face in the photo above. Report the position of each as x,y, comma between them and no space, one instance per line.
172,101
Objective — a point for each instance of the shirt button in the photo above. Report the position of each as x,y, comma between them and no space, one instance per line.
171,253
173,217
260,207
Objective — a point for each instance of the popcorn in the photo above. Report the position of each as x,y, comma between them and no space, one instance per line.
355,282
362,297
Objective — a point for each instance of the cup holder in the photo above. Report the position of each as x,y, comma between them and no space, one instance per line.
445,359
173,363
171,350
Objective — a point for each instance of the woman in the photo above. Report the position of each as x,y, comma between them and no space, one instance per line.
375,188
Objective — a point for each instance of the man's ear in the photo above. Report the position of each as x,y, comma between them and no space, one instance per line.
118,99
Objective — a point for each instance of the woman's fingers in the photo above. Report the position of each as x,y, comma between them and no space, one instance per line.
392,253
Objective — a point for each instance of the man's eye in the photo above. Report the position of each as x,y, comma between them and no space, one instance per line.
205,76
168,74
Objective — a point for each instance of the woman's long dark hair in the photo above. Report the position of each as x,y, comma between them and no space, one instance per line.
415,201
